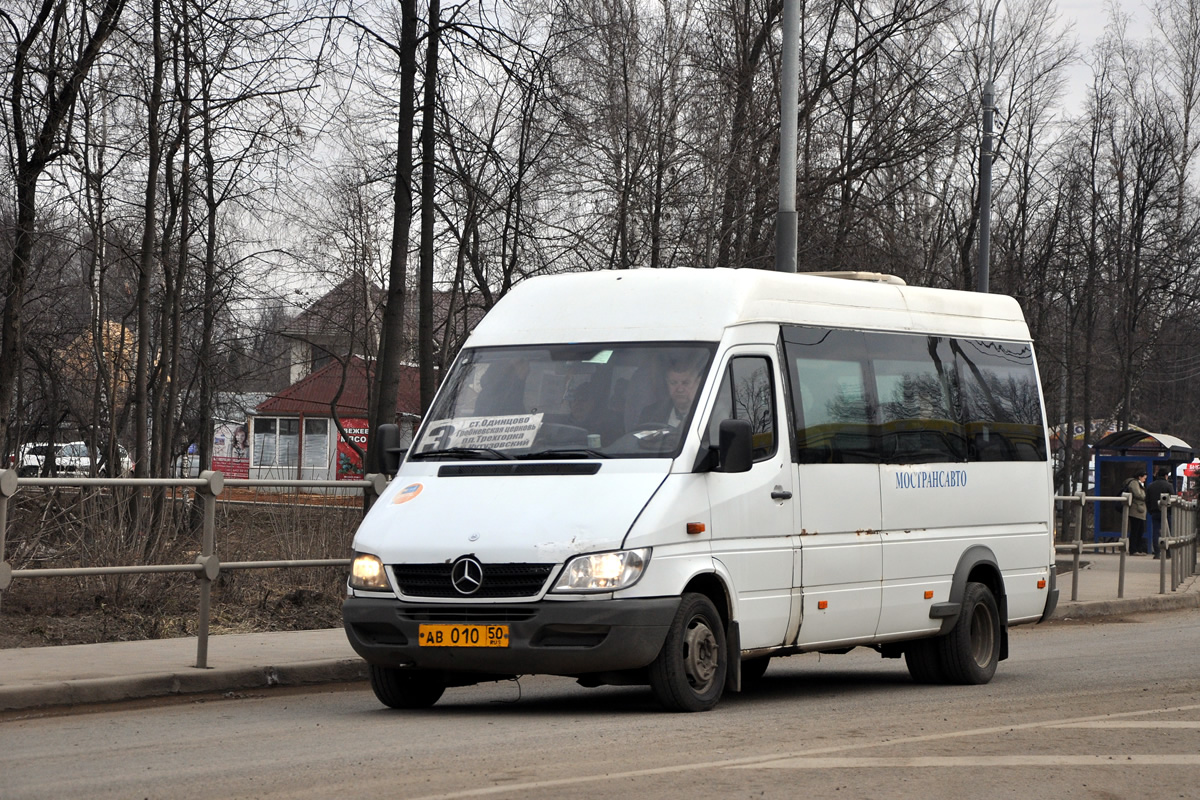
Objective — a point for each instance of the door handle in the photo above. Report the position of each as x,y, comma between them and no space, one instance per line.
781,494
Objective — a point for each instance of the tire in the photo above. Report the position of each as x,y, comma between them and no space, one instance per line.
924,661
689,673
753,670
970,651
399,688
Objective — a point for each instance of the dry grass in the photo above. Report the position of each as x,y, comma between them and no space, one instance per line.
85,528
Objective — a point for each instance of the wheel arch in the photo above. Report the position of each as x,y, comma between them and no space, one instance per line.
977,564
712,586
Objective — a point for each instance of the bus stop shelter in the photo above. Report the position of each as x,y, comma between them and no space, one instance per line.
1122,455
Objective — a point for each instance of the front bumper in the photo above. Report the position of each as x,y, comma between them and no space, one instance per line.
546,637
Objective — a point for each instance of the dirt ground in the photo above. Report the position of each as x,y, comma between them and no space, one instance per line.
29,619
58,529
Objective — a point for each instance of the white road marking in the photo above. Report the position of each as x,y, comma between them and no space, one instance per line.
1016,760
1180,724
809,756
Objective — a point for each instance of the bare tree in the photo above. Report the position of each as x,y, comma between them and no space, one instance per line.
55,48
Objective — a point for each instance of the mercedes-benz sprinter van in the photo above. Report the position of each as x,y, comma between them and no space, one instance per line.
670,477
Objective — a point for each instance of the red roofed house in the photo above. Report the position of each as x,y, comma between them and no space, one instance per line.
294,435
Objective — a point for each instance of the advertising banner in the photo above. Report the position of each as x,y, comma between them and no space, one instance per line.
349,464
231,450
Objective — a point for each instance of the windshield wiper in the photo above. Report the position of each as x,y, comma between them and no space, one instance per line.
465,453
566,452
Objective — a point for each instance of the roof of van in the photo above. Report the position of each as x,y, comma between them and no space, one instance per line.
686,304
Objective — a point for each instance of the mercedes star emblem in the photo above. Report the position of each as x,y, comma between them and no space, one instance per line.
466,575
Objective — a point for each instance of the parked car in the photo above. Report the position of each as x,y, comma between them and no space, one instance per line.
70,458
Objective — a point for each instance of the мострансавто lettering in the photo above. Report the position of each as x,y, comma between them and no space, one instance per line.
932,479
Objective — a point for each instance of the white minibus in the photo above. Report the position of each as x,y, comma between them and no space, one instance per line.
670,477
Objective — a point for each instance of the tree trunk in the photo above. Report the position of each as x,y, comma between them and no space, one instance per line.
428,152
392,345
141,391
31,158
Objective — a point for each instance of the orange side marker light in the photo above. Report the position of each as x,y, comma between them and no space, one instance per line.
928,594
1041,583
694,528
822,604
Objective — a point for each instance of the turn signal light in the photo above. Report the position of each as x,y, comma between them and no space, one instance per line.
928,594
695,527
822,604
1041,583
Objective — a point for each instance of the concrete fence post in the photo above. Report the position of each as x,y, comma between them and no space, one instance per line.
371,493
215,484
1079,499
1124,548
8,487
1163,550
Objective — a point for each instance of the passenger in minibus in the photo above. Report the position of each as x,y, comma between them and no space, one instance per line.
502,389
586,409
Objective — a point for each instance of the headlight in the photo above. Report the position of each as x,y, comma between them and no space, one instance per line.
366,572
603,572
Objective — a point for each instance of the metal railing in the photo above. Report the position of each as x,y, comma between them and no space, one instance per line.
1176,542
1078,545
206,567
1178,515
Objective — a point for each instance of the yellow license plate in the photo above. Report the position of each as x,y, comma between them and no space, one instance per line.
463,636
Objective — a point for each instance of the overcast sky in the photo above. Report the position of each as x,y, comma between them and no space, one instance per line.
1089,18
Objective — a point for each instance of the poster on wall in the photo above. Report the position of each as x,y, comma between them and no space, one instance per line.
349,464
231,450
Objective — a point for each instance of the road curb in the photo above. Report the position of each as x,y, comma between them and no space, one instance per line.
109,690
1133,605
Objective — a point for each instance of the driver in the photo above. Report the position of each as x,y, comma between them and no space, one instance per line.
682,377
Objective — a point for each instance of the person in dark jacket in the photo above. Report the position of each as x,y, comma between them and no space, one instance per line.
682,378
1155,491
1136,486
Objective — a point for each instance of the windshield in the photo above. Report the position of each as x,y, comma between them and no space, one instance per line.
566,401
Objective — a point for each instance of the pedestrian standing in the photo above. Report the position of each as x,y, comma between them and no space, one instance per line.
1156,490
1136,486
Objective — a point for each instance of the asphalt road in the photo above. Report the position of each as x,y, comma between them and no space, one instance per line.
1088,710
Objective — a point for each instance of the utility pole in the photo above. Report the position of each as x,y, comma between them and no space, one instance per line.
985,186
789,110
985,162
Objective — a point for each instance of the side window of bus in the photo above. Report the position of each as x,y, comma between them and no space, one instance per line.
831,396
1002,412
747,392
917,387
867,397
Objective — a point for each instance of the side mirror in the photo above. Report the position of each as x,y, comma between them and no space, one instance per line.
735,446
387,441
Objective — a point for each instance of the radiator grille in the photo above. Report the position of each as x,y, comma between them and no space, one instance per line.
499,580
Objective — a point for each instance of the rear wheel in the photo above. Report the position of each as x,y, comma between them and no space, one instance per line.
689,673
923,661
970,652
400,688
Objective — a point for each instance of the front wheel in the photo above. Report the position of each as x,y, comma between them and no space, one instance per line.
401,688
753,670
689,673
923,659
971,650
